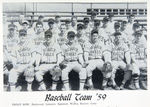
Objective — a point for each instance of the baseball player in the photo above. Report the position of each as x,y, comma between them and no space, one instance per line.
62,36
48,59
93,17
38,37
104,33
87,28
23,61
74,22
120,58
10,43
73,59
130,23
111,22
96,53
139,56
57,22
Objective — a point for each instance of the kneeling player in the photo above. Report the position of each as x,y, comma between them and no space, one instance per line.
22,62
96,52
48,59
138,55
73,59
120,59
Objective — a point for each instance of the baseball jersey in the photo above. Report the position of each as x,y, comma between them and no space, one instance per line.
96,50
83,41
71,52
11,43
104,36
24,51
138,50
118,51
62,39
38,39
49,53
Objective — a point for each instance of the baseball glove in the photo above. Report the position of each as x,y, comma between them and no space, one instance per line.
29,74
63,64
107,67
56,73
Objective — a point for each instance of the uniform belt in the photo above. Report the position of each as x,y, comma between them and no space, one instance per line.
22,63
48,62
72,60
94,58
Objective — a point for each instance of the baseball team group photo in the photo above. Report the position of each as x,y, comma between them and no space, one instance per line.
78,46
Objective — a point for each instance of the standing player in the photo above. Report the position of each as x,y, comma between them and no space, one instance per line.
23,61
120,58
104,33
96,53
87,28
62,36
130,23
74,22
139,56
73,59
57,22
38,38
48,59
111,22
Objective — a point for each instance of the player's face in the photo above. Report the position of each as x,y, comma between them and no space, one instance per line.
94,37
136,29
74,21
48,38
25,26
57,19
39,28
68,25
123,25
138,36
22,37
51,25
130,19
118,39
105,24
11,31
62,28
117,28
80,31
71,39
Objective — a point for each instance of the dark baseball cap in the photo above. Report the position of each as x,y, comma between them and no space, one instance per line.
86,19
80,26
22,32
94,31
105,19
51,21
117,24
11,26
137,25
71,34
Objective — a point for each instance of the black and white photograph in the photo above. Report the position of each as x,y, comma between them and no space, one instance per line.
74,46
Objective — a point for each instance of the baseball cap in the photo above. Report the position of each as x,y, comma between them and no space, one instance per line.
111,14
93,13
11,26
79,26
97,21
25,22
131,15
68,21
94,31
137,25
39,23
105,19
57,16
71,34
86,19
22,32
124,22
51,21
117,24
